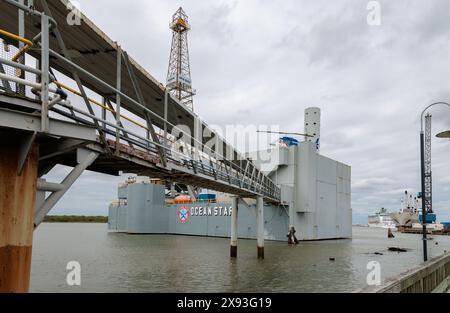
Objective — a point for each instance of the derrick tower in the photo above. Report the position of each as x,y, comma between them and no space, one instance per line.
179,81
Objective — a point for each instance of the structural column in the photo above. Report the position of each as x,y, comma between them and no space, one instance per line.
17,204
260,226
234,227
118,104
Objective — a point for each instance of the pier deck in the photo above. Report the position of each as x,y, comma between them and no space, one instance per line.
431,277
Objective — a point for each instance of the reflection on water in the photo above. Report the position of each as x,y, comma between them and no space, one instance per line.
124,263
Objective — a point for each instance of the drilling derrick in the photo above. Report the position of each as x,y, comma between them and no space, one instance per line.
179,81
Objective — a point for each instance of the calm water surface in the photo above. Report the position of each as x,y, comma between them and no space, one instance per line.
122,263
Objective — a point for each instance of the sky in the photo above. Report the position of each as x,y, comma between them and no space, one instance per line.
263,62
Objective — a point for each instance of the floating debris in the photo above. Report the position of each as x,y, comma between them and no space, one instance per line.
395,249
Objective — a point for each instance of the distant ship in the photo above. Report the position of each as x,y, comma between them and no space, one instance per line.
382,219
409,211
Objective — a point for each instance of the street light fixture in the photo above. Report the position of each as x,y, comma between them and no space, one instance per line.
444,135
422,159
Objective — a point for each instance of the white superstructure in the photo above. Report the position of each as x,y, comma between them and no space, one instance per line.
312,126
315,189
381,219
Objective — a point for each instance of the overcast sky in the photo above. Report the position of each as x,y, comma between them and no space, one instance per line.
263,62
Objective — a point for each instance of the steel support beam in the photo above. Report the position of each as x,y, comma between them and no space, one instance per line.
35,70
192,192
62,147
110,106
44,170
25,148
21,27
50,202
45,68
141,100
250,183
166,117
75,75
245,173
119,88
38,75
104,102
211,164
30,122
43,185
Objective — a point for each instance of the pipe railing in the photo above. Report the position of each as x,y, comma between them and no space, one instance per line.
196,165
233,165
234,178
144,108
25,49
30,10
234,174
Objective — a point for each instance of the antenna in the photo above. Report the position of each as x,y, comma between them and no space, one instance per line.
283,133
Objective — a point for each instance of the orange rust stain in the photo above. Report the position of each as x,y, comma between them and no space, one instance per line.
17,205
15,266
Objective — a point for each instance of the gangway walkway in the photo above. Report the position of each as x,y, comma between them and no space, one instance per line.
136,127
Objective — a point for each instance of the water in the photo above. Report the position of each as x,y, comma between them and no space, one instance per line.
124,263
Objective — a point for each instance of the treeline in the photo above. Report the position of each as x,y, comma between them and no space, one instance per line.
75,219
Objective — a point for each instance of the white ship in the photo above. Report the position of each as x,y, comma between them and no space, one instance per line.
409,212
381,219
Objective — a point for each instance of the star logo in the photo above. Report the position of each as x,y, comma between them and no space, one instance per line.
183,215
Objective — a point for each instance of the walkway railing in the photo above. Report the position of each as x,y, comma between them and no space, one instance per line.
431,277
53,96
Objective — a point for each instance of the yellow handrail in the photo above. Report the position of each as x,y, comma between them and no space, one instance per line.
175,201
28,44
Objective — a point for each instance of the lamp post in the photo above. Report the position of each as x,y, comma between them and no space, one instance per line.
422,159
444,135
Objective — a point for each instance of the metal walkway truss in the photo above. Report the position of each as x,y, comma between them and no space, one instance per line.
119,133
